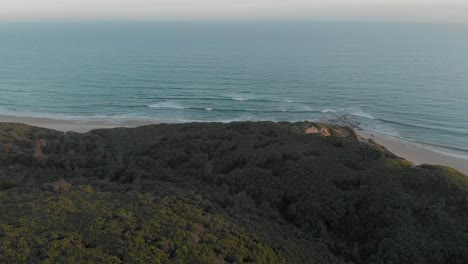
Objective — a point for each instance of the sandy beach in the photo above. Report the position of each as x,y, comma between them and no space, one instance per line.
81,126
415,153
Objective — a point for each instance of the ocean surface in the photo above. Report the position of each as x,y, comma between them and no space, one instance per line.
402,79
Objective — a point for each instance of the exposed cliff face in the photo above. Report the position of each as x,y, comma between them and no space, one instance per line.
326,130
309,192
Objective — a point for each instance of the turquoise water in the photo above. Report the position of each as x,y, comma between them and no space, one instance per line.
406,80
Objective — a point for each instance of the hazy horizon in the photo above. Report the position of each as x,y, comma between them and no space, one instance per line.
413,10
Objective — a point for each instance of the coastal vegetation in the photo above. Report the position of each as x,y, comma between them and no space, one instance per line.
82,225
243,192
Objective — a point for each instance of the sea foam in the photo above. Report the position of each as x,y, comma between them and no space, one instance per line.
172,105
238,98
362,114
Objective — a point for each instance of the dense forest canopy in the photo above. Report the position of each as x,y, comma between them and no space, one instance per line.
247,192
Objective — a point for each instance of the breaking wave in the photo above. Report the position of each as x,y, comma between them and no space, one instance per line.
172,105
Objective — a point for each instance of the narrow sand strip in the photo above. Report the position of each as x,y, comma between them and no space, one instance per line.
80,126
415,153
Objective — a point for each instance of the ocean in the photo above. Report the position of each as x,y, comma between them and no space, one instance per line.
406,80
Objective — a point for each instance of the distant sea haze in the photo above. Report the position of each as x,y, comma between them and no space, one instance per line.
406,80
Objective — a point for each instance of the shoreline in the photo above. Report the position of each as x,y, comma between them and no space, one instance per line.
76,125
415,153
412,152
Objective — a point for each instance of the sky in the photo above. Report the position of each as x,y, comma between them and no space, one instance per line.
438,10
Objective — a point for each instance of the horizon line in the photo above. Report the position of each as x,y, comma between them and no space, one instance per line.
233,19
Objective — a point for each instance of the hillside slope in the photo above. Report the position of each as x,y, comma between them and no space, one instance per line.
236,193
